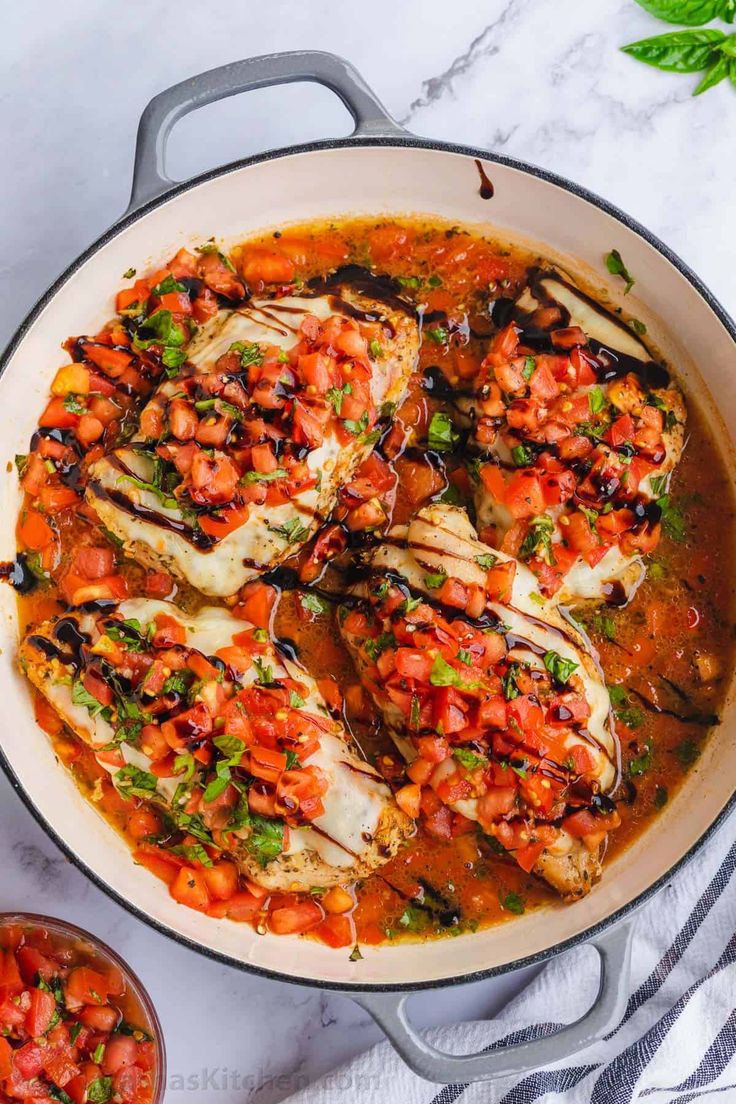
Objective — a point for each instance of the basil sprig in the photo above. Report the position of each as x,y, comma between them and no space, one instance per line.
692,13
692,51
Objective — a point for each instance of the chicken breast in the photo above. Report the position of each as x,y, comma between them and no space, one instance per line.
581,430
237,462
156,692
502,710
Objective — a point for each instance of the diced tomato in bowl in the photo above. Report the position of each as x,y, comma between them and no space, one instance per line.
75,1022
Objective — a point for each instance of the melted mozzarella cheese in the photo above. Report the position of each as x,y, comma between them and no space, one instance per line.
356,798
442,538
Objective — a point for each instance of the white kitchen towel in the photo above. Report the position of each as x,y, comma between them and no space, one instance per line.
675,1043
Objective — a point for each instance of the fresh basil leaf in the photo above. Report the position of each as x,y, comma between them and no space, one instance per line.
355,955
375,348
687,752
296,701
433,582
530,367
172,359
718,71
266,840
133,781
673,519
560,668
129,274
661,797
616,266
185,764
678,51
167,286
638,326
691,13
442,674
442,435
81,696
194,852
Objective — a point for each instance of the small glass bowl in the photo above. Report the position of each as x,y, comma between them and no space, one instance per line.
94,949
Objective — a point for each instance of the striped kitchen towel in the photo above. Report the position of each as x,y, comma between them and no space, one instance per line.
676,1041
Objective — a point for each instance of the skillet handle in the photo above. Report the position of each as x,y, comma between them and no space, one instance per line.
389,1012
370,116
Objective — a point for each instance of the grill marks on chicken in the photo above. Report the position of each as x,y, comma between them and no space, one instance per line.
580,431
237,463
491,695
230,742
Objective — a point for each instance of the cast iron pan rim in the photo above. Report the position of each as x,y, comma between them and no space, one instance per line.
409,142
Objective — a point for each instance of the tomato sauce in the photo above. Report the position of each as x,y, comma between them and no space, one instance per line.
668,653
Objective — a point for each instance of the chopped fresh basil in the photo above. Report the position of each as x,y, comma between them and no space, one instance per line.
133,781
469,759
185,764
359,427
100,1090
264,477
296,701
522,456
442,435
640,764
81,696
438,335
291,531
560,668
616,266
167,286
266,839
512,902
530,367
538,540
596,400
355,955
673,519
376,349
433,582
486,560
126,632
250,353
661,797
687,752
335,395
129,274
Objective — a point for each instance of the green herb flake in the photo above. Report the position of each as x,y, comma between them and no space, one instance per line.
661,797
560,668
313,604
616,266
442,435
687,752
433,582
640,764
438,335
530,367
512,902
486,560
596,400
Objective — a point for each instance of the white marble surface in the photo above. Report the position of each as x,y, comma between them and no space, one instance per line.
538,79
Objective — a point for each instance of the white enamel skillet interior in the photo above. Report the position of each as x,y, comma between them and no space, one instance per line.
378,171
